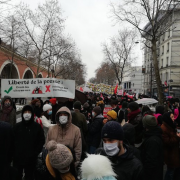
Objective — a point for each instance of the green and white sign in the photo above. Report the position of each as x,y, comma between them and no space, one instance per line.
41,87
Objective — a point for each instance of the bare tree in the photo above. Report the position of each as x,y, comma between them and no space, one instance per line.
119,52
10,35
158,16
38,27
105,74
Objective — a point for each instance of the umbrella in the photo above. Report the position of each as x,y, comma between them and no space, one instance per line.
146,101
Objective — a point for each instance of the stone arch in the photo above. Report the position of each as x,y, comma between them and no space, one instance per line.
5,70
28,74
40,75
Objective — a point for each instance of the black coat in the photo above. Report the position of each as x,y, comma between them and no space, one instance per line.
28,141
152,154
6,143
126,166
94,131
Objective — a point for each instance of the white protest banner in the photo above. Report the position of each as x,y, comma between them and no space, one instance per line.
40,87
120,92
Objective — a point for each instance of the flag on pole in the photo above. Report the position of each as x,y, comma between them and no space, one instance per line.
115,90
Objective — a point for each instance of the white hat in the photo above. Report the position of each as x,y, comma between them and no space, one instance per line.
47,107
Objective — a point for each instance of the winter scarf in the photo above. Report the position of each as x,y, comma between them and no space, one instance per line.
133,114
5,113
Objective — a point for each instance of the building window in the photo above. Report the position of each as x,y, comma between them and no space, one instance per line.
129,85
162,49
167,61
169,31
161,63
167,47
163,37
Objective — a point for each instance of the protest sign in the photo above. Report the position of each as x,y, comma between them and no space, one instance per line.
106,109
40,87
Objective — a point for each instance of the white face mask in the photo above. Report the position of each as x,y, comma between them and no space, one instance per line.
27,116
93,114
111,149
63,119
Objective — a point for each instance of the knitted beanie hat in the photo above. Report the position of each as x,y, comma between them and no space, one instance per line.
77,105
112,130
97,110
53,101
112,114
133,106
47,107
59,155
149,121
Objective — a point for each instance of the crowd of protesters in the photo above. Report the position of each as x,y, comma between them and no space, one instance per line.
70,140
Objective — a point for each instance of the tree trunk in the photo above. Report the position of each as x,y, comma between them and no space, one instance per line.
38,68
157,76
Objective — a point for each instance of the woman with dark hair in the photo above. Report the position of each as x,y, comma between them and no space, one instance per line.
171,145
159,114
145,109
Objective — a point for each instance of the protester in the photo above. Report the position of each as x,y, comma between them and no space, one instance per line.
6,149
159,114
28,142
96,167
47,102
80,120
151,149
55,108
135,118
100,102
145,110
94,130
59,162
8,113
64,132
129,138
125,164
171,145
36,104
115,107
123,113
111,116
46,118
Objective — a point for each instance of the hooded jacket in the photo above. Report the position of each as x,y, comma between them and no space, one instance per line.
126,166
151,154
12,115
67,134
28,139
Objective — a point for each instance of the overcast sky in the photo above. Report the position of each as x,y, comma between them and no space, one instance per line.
90,24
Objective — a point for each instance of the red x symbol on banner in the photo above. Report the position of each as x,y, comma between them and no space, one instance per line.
48,88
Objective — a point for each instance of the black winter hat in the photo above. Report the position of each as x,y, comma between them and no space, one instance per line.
112,130
133,106
77,105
